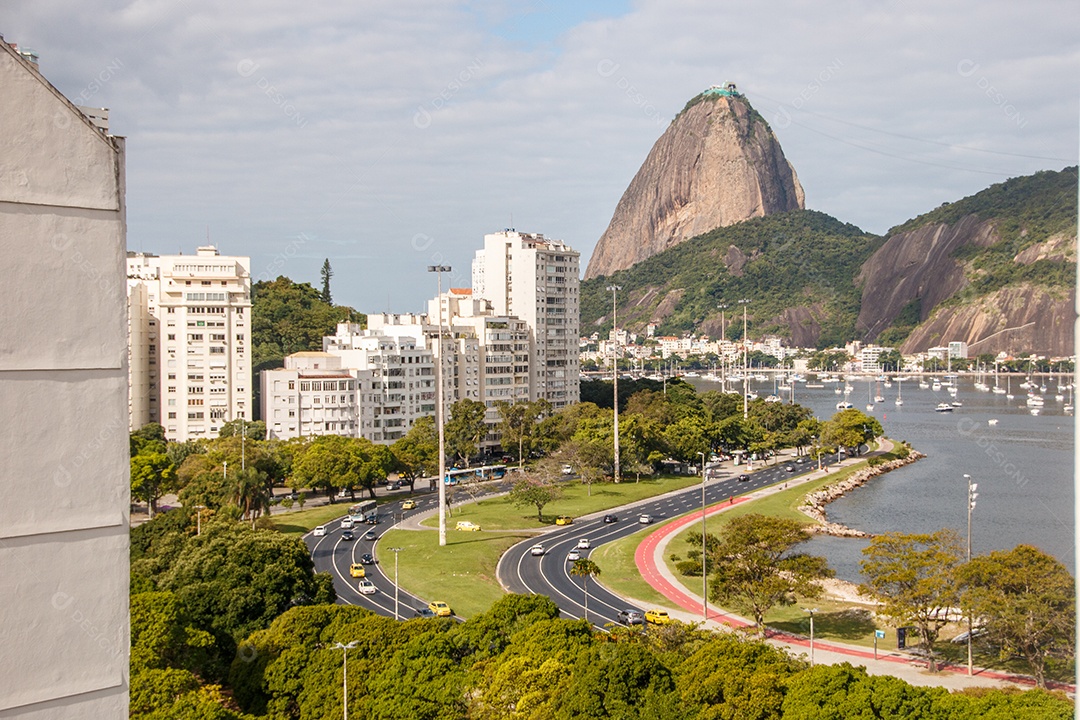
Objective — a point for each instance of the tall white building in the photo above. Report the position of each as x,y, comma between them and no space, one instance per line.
312,395
63,381
191,340
536,279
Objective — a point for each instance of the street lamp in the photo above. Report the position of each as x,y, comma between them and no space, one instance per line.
704,575
198,519
723,355
746,362
971,495
615,369
439,410
396,550
811,611
345,674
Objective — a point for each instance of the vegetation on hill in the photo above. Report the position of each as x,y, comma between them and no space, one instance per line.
799,259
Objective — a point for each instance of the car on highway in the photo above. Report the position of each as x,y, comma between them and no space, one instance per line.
347,535
567,470
366,559
440,608
408,505
394,485
564,520
370,535
801,460
468,526
655,616
744,477
631,617
644,518
357,570
583,544
608,519
789,468
347,522
320,531
537,550
366,587
573,556
423,613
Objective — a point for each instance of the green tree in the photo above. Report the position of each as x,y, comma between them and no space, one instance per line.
252,429
326,273
1024,601
152,475
519,424
850,429
585,568
465,429
688,436
250,492
328,462
536,491
753,567
913,576
417,453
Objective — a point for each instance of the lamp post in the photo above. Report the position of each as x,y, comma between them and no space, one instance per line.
345,675
198,519
704,575
615,370
723,355
396,550
811,611
440,411
746,362
971,495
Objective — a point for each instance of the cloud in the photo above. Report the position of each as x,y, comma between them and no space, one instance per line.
362,125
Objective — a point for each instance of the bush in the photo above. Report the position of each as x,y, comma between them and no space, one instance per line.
689,567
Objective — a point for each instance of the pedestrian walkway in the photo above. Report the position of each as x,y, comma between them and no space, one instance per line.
649,558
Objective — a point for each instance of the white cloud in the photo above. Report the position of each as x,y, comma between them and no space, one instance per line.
360,126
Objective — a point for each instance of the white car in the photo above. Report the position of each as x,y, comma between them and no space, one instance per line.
644,519
567,470
537,549
319,531
366,587
572,556
583,544
346,522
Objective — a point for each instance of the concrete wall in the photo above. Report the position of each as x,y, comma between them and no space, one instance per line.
63,389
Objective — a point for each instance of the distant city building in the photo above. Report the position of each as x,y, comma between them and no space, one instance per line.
958,349
64,583
536,279
940,352
190,331
869,359
312,395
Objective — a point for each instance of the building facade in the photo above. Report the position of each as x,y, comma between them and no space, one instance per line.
63,375
190,341
536,279
312,395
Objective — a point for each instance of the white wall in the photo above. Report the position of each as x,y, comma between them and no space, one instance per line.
63,388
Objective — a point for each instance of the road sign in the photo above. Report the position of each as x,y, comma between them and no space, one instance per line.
879,634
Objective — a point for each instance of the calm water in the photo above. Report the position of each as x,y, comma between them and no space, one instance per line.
1023,466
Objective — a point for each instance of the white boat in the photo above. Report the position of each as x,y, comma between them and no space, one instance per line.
923,385
844,405
899,394
773,399
992,421
943,407
957,403
936,385
1035,401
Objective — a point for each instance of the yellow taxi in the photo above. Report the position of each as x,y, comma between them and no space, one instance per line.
357,570
440,608
468,526
564,520
656,616
408,505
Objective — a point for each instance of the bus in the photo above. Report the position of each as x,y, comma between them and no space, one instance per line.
453,477
365,511
479,474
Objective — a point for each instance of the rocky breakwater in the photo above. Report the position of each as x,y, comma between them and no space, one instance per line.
814,503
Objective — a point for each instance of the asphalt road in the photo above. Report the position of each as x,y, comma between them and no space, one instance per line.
518,570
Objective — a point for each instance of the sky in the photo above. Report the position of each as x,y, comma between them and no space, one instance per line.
389,136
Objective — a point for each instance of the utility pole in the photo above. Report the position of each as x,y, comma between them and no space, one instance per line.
971,495
746,363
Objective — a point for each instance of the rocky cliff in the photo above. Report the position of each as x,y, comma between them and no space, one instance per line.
717,164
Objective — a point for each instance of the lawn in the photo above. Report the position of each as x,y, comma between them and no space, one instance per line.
500,514
462,573
298,522
619,573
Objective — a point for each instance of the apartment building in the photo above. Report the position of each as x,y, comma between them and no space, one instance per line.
189,343
312,395
536,279
63,375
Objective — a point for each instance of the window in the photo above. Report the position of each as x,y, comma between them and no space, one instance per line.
172,416
292,384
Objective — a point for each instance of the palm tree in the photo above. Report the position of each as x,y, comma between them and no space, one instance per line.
251,495
585,568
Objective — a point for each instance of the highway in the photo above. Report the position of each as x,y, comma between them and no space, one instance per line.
518,570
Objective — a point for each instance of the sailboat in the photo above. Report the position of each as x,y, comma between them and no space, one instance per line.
899,394
878,397
869,400
1008,390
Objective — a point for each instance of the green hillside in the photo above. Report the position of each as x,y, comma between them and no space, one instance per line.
799,259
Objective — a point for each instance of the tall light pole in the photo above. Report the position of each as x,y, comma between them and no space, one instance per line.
723,355
746,362
440,411
345,675
198,519
704,575
615,369
811,611
971,495
396,550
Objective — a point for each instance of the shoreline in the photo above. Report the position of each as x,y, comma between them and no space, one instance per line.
814,503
